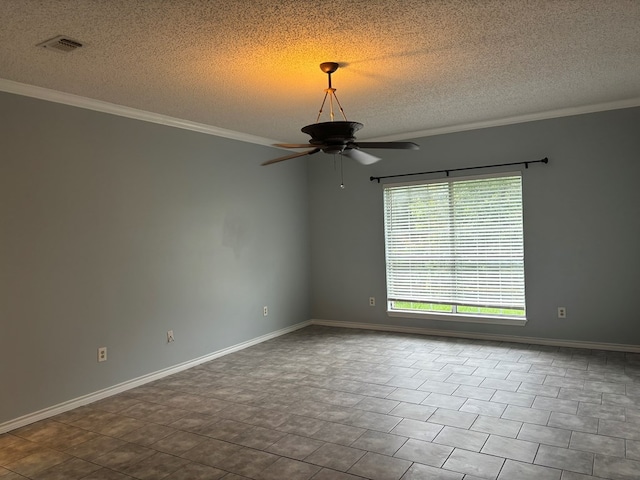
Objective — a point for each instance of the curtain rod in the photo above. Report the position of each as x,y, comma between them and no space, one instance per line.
447,171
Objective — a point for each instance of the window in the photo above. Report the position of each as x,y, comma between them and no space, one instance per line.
455,248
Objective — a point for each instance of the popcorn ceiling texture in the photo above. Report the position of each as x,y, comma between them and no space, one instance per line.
406,66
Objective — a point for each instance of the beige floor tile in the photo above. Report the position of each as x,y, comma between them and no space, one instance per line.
380,467
336,457
325,403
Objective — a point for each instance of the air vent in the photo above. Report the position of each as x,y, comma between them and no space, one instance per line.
61,43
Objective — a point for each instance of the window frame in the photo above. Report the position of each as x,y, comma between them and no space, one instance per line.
456,316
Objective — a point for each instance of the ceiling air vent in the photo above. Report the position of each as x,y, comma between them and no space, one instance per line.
61,43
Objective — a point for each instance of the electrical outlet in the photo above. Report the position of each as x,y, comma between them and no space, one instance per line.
562,312
170,337
265,311
372,301
102,354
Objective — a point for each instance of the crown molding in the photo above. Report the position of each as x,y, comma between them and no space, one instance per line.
500,122
42,93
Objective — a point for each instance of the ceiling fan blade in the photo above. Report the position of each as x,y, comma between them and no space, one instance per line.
294,145
360,157
293,155
389,145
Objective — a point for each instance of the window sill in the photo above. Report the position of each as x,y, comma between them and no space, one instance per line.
457,317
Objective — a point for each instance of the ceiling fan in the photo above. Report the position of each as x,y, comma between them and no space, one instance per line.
337,136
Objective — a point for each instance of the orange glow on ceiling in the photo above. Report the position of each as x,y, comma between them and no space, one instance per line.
290,72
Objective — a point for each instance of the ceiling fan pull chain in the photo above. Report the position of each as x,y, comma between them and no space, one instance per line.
341,172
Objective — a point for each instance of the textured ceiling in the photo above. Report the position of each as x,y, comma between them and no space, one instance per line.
408,67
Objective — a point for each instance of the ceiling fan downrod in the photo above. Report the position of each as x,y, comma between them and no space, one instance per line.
329,68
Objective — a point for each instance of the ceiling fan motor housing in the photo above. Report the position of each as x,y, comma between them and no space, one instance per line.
334,135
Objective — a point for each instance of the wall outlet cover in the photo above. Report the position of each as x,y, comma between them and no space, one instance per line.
102,354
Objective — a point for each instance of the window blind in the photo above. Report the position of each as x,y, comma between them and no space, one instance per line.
456,242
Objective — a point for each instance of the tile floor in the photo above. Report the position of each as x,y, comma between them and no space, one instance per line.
327,403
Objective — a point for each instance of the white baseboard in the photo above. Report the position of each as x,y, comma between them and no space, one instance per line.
481,336
136,382
121,387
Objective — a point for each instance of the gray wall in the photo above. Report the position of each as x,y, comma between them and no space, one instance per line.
581,225
114,231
